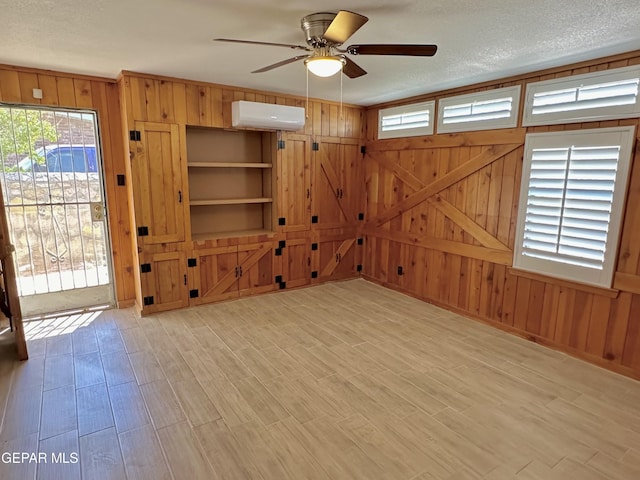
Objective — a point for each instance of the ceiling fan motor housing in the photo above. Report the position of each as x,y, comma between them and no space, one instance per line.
314,26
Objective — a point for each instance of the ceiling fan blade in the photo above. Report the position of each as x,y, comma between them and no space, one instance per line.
280,64
269,44
391,49
352,70
343,26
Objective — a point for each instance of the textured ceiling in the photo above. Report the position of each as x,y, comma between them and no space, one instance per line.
478,40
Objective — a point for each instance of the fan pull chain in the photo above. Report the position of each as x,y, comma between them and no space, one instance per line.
340,118
306,109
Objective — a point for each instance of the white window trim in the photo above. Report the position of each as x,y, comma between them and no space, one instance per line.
593,137
407,132
507,122
580,115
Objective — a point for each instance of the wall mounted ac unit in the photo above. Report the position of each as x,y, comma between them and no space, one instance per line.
266,116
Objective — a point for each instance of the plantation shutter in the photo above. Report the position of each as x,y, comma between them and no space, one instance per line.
478,111
404,121
590,96
570,201
485,110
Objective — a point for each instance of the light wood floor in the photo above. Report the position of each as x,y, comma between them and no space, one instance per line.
339,381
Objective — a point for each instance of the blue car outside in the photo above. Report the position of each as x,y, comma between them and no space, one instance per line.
62,158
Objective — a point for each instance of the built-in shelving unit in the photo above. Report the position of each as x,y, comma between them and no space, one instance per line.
230,182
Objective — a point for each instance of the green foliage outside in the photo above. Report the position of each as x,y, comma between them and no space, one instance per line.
20,129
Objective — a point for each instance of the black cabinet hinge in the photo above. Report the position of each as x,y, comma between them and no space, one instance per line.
278,252
278,279
314,219
282,244
145,268
134,135
360,241
361,216
143,231
192,262
314,274
194,293
359,268
147,300
315,146
120,180
400,271
281,144
314,246
282,221
363,149
282,285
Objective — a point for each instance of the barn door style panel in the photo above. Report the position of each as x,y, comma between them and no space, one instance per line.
221,273
215,275
255,269
157,171
337,183
164,282
440,217
294,183
335,258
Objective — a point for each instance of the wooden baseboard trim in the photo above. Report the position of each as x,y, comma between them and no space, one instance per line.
126,303
595,360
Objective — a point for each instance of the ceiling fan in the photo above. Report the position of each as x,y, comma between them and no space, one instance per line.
325,33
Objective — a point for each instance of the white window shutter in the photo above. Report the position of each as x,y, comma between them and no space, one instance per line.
572,196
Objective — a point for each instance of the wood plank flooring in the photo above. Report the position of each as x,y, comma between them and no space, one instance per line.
339,381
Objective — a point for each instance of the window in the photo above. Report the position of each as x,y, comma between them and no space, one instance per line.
406,120
592,96
479,111
571,201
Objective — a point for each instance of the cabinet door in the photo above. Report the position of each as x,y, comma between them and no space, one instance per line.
335,258
215,275
294,183
256,272
336,180
296,259
165,286
157,179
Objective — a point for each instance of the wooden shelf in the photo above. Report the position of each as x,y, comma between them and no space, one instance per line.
239,233
230,201
228,165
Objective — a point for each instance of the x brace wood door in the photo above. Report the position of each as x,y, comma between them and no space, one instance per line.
222,273
335,257
337,183
215,276
256,273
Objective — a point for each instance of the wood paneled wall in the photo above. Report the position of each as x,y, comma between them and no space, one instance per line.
444,207
153,98
100,95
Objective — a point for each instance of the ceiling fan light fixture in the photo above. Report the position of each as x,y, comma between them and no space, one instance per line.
324,66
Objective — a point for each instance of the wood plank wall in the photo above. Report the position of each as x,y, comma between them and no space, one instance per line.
151,98
100,95
444,208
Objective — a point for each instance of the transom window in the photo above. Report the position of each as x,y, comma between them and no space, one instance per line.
406,120
490,109
592,96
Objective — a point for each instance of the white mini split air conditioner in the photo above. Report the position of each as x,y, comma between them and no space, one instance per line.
266,116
